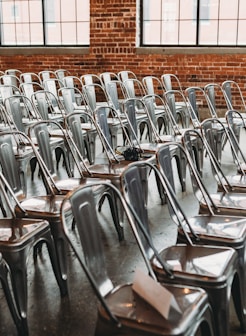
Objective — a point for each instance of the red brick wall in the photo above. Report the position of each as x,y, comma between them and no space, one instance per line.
113,48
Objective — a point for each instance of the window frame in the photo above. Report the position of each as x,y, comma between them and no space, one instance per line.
178,48
44,23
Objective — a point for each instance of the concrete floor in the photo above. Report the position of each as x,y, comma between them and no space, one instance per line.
75,314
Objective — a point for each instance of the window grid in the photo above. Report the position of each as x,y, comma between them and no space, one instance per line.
190,23
44,23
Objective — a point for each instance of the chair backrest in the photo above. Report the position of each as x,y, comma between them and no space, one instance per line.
87,223
47,104
90,79
52,85
126,74
68,97
30,77
149,102
198,104
107,77
101,114
7,90
233,119
116,93
10,80
20,107
46,74
171,82
215,98
41,101
233,96
134,88
72,82
42,135
28,88
73,124
95,95
61,73
153,85
199,188
10,166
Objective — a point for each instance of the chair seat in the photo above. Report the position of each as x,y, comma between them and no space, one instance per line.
130,308
238,182
69,184
47,206
218,229
204,265
231,203
19,231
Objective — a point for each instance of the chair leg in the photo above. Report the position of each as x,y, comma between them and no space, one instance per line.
21,327
239,299
17,265
60,248
55,265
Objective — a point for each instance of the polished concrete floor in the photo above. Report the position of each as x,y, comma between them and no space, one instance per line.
75,314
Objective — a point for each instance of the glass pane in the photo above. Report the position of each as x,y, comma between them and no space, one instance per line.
53,33
227,32
68,12
241,32
151,32
242,10
208,32
36,33
228,9
36,11
150,11
69,33
187,32
214,9
83,12
83,33
52,11
23,33
170,10
188,9
170,32
8,34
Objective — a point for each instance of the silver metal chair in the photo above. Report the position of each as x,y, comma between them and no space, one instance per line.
213,268
121,310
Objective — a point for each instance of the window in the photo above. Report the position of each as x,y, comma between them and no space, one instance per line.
44,22
193,23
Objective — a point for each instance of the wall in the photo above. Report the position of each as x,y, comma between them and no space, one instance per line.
113,48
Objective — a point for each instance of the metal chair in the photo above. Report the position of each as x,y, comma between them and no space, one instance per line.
213,268
44,206
109,165
225,202
209,228
121,310
172,82
19,236
63,185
